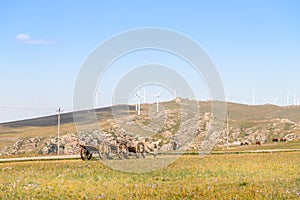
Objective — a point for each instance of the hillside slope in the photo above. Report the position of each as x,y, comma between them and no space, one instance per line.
246,123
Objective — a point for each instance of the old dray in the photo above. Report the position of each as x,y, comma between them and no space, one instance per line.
105,151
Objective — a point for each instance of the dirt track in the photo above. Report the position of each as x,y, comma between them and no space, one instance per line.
62,157
65,157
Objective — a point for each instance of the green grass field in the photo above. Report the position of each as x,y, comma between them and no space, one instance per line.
235,176
293,145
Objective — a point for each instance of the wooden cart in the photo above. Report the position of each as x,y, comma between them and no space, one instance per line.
121,150
105,151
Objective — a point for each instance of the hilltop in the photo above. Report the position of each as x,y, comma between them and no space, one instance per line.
246,123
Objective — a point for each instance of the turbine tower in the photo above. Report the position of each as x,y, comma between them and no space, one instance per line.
275,100
144,96
97,99
138,102
157,101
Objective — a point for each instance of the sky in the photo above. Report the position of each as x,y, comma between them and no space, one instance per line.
255,46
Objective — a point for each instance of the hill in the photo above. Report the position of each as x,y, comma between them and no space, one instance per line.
246,123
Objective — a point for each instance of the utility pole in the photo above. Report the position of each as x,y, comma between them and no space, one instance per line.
227,128
58,130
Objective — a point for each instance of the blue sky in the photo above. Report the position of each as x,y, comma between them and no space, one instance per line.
254,44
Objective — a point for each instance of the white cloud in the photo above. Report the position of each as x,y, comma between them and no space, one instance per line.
23,36
27,39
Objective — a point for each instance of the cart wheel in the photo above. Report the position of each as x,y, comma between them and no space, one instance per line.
102,154
120,153
85,154
89,155
144,154
82,153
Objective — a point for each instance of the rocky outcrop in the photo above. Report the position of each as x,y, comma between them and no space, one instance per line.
185,128
29,145
67,145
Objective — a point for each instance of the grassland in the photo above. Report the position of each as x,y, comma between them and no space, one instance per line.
241,117
292,145
236,176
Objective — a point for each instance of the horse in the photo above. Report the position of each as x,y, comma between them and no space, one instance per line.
258,142
275,140
244,143
282,139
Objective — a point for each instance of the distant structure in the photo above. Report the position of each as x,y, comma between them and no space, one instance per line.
275,101
97,99
58,130
144,97
138,100
157,101
227,130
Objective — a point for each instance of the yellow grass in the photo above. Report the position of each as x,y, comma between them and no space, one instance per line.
238,176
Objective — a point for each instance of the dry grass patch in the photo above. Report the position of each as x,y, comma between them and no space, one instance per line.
251,176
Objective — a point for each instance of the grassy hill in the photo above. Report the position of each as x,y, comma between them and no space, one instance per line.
244,121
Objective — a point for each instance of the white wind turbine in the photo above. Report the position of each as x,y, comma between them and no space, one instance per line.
144,96
138,102
157,101
275,101
97,99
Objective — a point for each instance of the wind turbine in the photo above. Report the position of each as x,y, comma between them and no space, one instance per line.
97,104
157,101
138,102
144,97
275,101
